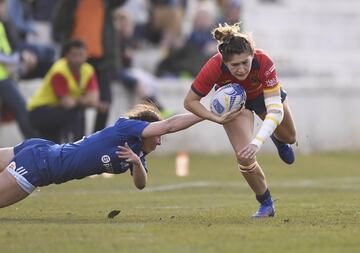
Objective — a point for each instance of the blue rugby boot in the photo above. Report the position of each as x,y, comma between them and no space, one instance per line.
285,150
266,209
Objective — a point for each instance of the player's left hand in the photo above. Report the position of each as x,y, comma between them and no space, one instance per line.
249,152
125,152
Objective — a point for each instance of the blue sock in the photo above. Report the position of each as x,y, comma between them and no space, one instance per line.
263,197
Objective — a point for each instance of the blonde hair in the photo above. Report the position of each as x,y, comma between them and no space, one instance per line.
145,111
232,41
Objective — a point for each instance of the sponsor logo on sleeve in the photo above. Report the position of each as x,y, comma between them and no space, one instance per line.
271,82
269,71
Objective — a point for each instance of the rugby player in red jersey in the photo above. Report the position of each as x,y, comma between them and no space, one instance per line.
238,61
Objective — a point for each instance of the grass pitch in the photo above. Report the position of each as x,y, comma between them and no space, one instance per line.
318,210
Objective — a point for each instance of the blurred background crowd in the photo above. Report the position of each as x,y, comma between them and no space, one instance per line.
136,44
36,32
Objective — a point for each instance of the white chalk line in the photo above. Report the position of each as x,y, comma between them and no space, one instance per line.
346,183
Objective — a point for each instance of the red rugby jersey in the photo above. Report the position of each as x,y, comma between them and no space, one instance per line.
262,76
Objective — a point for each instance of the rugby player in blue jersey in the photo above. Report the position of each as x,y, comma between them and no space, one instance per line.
115,149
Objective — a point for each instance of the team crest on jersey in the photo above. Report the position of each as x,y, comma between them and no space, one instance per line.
254,80
269,71
12,166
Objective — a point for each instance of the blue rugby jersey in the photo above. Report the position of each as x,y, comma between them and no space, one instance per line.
95,153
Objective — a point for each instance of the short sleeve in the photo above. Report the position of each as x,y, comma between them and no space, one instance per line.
131,127
60,85
268,72
92,84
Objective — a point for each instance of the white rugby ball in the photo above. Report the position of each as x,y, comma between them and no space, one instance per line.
228,97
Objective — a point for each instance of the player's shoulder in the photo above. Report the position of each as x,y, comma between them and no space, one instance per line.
126,123
261,55
214,64
215,60
217,57
122,120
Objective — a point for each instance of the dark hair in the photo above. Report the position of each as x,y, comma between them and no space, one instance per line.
74,43
145,111
232,41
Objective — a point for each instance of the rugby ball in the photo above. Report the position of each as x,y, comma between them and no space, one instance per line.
228,97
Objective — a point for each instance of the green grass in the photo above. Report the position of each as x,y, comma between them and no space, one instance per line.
318,210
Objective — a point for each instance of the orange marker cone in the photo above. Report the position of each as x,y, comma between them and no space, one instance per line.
182,164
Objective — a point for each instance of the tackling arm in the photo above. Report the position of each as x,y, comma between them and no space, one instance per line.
170,125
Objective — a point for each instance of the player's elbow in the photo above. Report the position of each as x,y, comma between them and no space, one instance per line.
140,180
140,186
186,104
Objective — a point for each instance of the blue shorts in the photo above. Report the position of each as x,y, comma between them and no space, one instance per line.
29,163
258,104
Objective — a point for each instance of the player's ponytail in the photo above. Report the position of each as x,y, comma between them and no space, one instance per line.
232,41
145,111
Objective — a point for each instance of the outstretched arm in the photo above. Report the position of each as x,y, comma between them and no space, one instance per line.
173,124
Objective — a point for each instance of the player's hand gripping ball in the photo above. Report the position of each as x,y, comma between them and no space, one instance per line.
228,97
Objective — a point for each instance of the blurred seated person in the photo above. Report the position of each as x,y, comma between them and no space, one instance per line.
70,86
165,23
20,14
231,12
12,62
198,48
135,79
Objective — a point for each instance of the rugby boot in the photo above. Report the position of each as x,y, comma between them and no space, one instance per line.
285,150
266,209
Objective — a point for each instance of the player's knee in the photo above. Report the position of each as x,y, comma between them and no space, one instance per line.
246,165
292,140
289,137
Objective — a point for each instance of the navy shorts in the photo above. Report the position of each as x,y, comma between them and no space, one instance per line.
258,104
29,163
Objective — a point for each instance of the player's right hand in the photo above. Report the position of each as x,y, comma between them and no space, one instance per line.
229,116
125,152
249,152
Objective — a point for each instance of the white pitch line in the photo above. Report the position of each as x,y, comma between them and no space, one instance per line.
172,187
338,183
352,183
